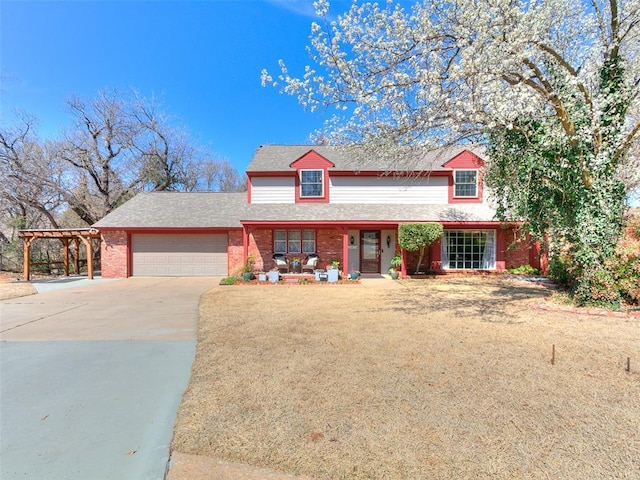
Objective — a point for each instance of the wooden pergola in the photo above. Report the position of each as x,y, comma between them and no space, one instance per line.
66,236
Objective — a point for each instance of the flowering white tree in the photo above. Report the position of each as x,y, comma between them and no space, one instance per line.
551,86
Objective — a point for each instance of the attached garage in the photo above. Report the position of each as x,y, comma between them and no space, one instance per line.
184,255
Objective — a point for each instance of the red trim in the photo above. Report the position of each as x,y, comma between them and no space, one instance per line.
465,160
177,230
368,224
245,244
403,267
271,174
248,190
382,173
325,186
312,160
129,256
345,251
476,199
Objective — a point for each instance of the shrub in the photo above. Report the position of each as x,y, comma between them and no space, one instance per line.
524,270
559,271
228,280
617,280
418,236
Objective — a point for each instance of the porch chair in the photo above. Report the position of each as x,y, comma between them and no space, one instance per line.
310,263
281,262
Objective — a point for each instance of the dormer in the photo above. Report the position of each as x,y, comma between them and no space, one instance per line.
312,178
465,181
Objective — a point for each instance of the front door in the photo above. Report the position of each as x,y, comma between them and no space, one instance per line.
370,251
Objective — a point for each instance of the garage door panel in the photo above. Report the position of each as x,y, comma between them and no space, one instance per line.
179,255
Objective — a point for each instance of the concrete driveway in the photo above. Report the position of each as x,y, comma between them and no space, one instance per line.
91,377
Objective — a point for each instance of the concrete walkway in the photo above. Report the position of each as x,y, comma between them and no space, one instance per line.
91,378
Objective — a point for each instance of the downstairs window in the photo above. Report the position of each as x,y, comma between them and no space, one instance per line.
469,249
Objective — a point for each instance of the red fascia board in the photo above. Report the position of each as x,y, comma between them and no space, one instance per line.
466,159
370,223
279,173
316,224
311,160
379,173
184,230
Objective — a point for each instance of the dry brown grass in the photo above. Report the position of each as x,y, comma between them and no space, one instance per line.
441,379
9,288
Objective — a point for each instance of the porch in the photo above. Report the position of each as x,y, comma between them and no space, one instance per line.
367,250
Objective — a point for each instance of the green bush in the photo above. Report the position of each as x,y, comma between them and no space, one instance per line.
598,289
524,270
414,236
559,271
607,285
228,280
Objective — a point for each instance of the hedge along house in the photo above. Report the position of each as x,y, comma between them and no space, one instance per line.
316,199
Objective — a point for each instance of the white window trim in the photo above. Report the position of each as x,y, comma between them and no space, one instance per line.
301,241
488,257
321,182
476,183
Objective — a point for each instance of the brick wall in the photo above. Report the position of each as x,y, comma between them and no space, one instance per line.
519,251
329,246
235,251
261,248
114,254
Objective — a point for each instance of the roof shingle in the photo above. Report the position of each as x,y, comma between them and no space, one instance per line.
275,158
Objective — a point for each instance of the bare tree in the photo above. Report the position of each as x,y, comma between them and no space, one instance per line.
118,146
30,179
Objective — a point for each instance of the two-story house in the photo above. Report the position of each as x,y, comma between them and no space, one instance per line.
304,199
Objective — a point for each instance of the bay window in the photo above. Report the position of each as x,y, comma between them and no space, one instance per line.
469,249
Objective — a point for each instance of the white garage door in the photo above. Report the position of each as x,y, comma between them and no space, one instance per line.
179,255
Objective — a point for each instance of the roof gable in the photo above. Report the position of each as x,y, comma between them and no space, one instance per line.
312,159
464,159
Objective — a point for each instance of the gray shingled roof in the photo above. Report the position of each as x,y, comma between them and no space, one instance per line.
274,158
228,210
178,210
322,212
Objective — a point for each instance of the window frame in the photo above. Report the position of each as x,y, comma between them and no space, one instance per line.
468,252
300,241
320,173
456,183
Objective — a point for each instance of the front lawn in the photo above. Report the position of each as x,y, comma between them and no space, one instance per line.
441,379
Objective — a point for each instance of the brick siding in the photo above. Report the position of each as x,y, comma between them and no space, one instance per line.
235,251
114,254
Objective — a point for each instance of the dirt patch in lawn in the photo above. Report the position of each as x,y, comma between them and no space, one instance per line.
11,288
441,379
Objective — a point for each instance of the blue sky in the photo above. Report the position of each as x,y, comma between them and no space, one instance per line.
202,59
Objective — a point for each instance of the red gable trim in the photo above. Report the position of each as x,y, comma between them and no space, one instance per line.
312,161
170,230
464,160
380,173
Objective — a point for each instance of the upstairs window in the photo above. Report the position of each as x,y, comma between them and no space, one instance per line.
311,183
465,183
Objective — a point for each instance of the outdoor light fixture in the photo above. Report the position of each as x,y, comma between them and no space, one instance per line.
388,241
352,240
